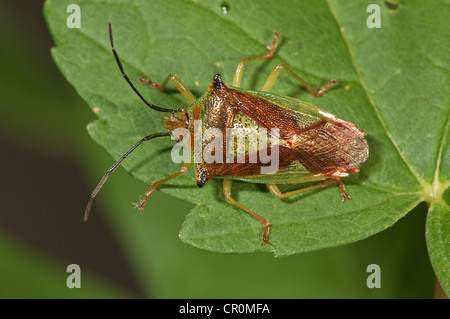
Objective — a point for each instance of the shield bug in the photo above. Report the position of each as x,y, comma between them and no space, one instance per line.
307,143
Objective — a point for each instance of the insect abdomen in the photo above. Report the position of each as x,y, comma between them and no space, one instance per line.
332,147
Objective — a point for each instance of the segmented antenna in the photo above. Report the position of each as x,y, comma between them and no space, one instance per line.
116,56
103,180
147,138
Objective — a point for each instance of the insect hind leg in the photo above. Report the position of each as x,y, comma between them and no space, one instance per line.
273,188
276,72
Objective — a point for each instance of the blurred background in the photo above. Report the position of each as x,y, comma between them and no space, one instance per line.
49,166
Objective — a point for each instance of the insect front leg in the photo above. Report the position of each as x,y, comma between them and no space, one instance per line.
227,192
174,78
276,72
277,193
157,184
240,67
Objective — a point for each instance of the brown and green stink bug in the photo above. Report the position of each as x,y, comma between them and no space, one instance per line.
311,144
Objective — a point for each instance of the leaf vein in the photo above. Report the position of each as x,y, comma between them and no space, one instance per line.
371,100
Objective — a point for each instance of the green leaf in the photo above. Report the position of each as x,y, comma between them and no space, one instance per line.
438,242
393,84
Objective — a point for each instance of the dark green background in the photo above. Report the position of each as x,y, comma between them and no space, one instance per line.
49,165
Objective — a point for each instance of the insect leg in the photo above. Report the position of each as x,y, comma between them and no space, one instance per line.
174,78
276,72
227,192
157,184
240,67
277,193
344,194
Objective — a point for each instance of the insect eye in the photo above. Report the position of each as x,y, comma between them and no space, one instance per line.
182,109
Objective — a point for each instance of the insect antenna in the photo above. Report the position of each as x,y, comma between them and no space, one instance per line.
116,56
103,180
147,138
